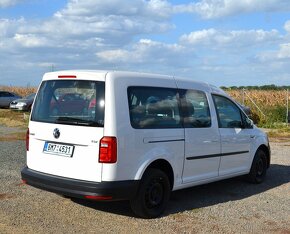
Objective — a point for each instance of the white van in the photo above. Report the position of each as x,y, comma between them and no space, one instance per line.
106,135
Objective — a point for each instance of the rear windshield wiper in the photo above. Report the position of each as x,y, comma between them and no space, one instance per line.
76,121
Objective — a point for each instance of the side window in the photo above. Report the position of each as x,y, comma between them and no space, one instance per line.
229,114
196,109
153,108
5,94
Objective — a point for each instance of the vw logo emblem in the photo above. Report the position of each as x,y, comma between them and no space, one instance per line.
56,133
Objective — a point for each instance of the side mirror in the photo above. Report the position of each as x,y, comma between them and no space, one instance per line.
248,123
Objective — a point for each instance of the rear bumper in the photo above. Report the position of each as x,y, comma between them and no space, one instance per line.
116,190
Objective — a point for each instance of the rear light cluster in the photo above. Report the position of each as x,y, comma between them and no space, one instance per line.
27,140
108,150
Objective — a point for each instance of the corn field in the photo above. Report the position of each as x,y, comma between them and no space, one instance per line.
268,107
263,98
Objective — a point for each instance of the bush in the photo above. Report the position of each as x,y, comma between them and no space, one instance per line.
275,116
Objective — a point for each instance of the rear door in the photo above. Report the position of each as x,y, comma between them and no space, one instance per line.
64,140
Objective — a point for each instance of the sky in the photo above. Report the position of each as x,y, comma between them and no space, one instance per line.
222,42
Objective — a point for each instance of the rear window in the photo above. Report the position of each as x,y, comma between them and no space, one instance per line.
70,102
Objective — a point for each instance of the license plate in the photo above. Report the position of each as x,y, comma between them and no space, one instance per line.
58,149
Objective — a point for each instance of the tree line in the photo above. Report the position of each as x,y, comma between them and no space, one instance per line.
256,87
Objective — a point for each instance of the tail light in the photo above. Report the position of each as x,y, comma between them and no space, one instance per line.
27,140
108,150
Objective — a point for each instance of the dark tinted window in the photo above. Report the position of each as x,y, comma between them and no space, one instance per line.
70,102
229,114
6,94
153,107
196,109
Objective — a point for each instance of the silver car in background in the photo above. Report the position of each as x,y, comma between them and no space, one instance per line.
23,104
6,98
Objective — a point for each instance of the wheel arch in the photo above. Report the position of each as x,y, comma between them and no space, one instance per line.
267,150
164,166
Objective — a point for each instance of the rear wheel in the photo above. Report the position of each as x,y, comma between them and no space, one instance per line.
259,168
153,194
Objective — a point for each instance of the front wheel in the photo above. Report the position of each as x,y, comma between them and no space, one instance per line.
259,168
153,194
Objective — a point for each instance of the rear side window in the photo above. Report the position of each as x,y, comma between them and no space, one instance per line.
196,109
70,102
229,114
153,108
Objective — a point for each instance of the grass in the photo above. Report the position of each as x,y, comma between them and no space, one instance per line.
280,133
11,118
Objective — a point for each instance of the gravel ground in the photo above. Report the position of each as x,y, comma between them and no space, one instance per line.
230,206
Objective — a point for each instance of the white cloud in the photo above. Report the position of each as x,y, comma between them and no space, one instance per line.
9,27
31,41
119,18
117,55
287,26
282,54
163,9
143,8
7,3
115,22
210,9
235,39
145,51
284,51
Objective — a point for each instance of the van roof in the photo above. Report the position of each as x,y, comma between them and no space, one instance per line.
101,74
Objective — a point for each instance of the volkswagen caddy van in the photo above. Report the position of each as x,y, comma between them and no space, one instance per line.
107,135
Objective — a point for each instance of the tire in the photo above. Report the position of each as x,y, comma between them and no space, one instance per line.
259,168
153,194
